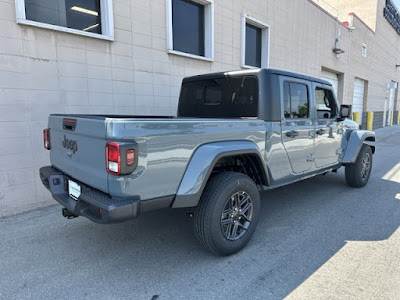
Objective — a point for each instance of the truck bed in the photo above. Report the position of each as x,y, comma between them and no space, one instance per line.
165,146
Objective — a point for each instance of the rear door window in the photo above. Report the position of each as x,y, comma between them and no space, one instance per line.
296,100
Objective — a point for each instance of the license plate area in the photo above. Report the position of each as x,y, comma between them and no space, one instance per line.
74,189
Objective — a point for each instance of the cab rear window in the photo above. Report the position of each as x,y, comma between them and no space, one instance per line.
227,97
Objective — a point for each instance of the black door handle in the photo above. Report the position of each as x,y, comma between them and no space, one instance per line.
292,134
320,131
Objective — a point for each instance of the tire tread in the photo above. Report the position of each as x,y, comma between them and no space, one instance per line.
202,220
352,171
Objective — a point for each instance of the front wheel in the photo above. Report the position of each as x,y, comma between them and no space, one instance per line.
357,174
227,214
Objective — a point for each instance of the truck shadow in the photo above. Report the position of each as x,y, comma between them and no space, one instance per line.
302,226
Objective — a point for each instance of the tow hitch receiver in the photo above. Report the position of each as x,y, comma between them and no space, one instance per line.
68,214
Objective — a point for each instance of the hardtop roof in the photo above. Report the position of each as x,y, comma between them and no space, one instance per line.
254,71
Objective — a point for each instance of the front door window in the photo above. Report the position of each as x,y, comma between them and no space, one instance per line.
327,134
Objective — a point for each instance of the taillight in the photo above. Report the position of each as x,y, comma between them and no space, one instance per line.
121,158
46,138
113,158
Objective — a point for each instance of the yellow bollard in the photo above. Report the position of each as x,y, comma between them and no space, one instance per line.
356,117
391,118
370,120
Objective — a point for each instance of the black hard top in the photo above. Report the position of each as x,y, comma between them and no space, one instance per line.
255,71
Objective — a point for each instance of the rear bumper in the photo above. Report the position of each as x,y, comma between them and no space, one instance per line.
94,204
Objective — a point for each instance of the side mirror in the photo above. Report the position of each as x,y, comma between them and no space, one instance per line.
345,111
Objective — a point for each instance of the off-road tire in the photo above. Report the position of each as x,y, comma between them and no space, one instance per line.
355,175
208,215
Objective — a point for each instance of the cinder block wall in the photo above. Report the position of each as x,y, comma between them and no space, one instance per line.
396,118
378,120
44,71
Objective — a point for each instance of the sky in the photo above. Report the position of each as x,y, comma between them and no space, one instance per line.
397,3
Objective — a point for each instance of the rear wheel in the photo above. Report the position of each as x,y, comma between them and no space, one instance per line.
227,214
357,174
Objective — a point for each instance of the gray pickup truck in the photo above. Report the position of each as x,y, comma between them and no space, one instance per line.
236,134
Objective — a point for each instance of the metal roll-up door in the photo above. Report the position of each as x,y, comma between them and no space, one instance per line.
392,92
358,97
332,78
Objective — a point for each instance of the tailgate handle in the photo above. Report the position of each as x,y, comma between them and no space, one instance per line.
69,124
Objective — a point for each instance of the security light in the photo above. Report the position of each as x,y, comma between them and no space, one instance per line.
337,51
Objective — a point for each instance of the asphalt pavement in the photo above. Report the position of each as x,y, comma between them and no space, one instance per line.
317,239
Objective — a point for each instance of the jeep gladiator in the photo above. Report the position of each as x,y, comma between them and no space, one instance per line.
235,134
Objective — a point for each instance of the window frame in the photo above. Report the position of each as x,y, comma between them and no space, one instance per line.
308,101
265,41
106,15
364,50
208,31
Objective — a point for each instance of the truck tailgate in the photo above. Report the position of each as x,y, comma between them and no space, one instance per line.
78,148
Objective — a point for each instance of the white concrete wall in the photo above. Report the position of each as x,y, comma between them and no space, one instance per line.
44,71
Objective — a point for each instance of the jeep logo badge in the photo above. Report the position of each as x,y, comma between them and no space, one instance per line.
70,144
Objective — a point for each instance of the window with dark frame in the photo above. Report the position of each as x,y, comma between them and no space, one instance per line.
76,14
188,27
296,100
253,46
326,105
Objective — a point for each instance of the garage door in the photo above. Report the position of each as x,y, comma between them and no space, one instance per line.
332,78
358,96
392,93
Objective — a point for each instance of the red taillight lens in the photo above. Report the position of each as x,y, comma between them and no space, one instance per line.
120,158
113,163
46,138
113,153
130,157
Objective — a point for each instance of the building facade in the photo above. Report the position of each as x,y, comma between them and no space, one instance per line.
129,57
